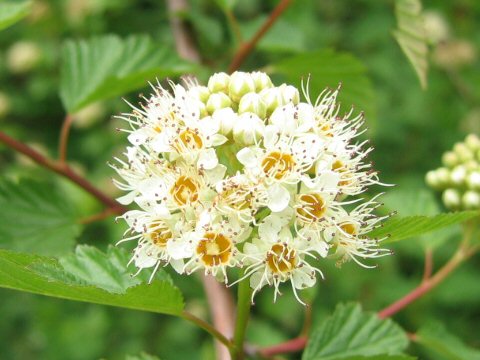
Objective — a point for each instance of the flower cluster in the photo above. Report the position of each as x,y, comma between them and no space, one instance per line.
241,173
459,178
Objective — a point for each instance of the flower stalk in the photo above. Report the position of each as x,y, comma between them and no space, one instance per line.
243,315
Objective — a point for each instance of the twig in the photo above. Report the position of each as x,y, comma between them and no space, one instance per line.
64,133
246,48
427,272
289,346
183,39
207,327
221,307
63,170
97,217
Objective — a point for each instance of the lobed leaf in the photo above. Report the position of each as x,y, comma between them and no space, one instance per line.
411,36
400,228
329,69
46,276
435,337
350,332
108,66
13,11
36,218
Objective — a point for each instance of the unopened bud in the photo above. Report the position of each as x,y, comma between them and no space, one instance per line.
218,82
248,129
463,152
252,103
241,83
473,142
227,118
451,198
473,180
262,81
432,179
23,56
450,159
443,176
217,101
272,98
290,94
200,93
458,175
471,200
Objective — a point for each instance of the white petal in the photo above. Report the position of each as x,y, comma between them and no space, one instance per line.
247,157
257,280
279,197
218,139
128,198
177,265
142,260
179,249
271,136
207,159
303,280
139,136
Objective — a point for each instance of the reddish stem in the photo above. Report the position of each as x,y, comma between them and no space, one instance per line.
246,48
64,133
63,170
289,346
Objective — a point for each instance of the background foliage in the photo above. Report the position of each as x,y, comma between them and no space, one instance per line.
108,48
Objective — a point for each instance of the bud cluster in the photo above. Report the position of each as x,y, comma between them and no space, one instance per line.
459,177
241,173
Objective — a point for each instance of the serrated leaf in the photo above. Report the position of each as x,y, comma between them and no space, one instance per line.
26,272
13,11
411,36
351,332
328,69
400,228
435,337
108,66
36,217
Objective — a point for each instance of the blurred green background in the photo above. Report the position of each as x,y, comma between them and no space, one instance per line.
409,128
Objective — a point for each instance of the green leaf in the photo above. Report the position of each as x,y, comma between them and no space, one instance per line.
328,69
436,338
46,276
226,5
381,357
411,36
141,356
36,217
108,66
13,11
350,332
400,228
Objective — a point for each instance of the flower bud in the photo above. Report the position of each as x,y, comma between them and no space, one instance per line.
248,129
23,56
473,142
261,80
290,94
458,175
200,93
473,180
252,103
218,82
443,176
471,200
471,165
451,198
272,98
432,179
450,159
463,152
217,101
241,83
227,118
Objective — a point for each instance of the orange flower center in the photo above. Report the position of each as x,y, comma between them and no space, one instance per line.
281,259
160,235
277,164
184,191
349,228
188,140
214,249
313,207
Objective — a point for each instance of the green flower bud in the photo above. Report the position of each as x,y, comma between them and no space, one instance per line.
451,198
218,82
218,101
471,200
241,83
473,180
248,129
227,118
272,98
473,142
200,93
252,103
262,81
443,176
432,179
463,152
290,94
450,159
458,175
